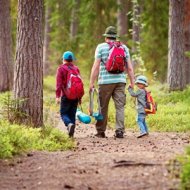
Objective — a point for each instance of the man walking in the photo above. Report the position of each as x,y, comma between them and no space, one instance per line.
110,84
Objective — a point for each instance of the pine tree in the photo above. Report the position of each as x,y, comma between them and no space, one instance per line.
176,57
28,79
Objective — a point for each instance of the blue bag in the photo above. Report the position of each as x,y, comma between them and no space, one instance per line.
84,118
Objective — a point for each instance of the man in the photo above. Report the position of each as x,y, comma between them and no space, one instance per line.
110,85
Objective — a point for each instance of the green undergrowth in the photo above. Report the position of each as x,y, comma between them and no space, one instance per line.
184,171
172,115
18,139
173,107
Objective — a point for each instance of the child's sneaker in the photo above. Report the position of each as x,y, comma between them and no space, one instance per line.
71,129
142,135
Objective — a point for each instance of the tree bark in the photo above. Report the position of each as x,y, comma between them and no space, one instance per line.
176,57
74,20
46,48
122,20
187,39
6,57
28,79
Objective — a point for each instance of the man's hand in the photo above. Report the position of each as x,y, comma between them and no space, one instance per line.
58,100
91,87
131,85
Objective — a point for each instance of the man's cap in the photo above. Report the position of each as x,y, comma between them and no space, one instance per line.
68,55
111,32
141,80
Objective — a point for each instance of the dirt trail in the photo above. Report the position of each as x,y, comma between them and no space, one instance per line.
98,164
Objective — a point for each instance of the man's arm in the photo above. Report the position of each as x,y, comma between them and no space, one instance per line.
94,72
130,73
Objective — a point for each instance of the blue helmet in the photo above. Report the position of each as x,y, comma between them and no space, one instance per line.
141,80
68,55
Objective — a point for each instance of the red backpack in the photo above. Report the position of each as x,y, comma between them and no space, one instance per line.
116,62
74,88
151,106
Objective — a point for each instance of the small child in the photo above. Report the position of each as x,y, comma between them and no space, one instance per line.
140,94
68,107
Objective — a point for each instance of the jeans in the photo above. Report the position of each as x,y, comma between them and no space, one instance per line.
117,92
142,123
68,110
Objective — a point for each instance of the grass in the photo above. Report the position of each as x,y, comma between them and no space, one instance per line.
17,139
173,108
185,170
173,111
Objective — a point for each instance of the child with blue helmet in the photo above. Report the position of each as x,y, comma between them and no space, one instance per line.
68,105
140,94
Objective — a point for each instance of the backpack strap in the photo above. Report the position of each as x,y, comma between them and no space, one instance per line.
145,99
114,43
67,68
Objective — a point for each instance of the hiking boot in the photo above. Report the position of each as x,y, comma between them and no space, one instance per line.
119,134
71,129
100,135
142,135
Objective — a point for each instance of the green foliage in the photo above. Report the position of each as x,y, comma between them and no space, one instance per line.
9,108
17,139
185,170
50,107
173,111
93,17
154,35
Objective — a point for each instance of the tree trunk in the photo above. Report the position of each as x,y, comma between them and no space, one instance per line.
176,57
6,58
122,20
28,79
136,33
46,48
187,39
74,19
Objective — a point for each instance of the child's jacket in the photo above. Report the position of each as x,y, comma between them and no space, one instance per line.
61,79
140,94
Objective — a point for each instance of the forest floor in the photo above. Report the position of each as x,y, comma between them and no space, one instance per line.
98,164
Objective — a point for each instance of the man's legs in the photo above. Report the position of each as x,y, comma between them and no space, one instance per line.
119,98
105,93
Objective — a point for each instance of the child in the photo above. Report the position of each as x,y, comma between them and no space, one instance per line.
69,100
141,83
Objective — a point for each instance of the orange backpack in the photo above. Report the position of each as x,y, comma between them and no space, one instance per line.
151,105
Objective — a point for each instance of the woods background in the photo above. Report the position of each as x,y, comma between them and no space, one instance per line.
34,34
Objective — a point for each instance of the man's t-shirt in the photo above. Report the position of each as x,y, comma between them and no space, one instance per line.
102,52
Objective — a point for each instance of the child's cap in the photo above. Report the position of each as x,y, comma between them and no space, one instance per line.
142,80
68,55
